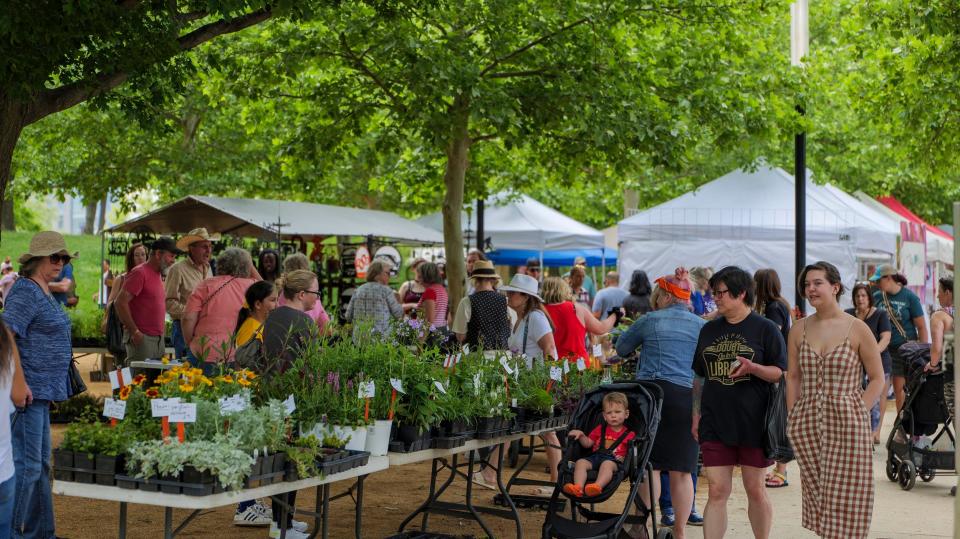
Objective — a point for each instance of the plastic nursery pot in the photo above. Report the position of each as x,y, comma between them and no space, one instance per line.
108,468
378,437
408,433
86,462
357,435
62,459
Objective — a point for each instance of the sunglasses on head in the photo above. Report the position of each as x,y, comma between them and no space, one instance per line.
58,258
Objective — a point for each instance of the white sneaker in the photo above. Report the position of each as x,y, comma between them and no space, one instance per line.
253,516
299,526
291,533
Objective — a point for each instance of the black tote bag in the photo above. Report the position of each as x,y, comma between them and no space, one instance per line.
776,446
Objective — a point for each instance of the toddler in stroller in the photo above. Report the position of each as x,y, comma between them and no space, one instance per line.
609,442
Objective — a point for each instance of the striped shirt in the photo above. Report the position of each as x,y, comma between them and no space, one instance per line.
438,294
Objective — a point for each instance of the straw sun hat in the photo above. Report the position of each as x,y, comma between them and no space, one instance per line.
195,235
483,269
46,243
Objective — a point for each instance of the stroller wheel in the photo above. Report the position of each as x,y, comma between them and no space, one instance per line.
893,469
927,474
908,475
664,533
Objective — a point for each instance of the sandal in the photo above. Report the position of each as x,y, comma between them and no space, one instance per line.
777,480
480,481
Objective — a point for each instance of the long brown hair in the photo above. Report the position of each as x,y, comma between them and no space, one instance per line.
768,286
533,304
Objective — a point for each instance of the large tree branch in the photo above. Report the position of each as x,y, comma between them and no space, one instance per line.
59,99
540,40
360,65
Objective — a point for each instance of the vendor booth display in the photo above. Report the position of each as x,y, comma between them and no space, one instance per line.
747,219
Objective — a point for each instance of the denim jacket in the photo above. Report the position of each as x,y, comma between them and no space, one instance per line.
668,338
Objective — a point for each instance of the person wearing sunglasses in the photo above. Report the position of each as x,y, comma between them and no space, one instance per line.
41,331
63,285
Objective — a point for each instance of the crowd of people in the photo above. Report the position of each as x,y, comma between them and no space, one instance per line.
716,343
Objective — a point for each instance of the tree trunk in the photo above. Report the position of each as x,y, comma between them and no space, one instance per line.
458,157
12,119
90,218
7,222
102,221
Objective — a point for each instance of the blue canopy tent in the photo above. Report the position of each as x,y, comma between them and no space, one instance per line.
519,257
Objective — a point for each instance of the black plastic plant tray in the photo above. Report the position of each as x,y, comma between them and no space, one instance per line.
486,435
449,442
417,445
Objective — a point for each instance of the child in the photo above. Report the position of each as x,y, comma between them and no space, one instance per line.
609,455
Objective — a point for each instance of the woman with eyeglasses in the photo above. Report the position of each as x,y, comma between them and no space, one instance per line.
41,330
211,311
299,261
879,324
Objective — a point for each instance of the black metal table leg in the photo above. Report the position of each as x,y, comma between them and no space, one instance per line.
358,522
469,498
168,523
326,512
123,520
505,492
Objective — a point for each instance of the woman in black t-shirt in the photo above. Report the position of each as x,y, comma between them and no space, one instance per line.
879,323
775,308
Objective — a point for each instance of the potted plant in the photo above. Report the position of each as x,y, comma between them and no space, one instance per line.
91,452
166,461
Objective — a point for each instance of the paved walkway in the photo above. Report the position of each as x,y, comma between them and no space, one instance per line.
927,511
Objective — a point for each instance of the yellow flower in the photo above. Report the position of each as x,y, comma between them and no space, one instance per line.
186,388
249,374
206,380
243,382
165,360
196,372
226,379
125,392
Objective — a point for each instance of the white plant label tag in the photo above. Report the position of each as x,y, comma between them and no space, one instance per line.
397,384
466,349
566,366
290,405
367,390
597,350
183,412
477,380
161,407
115,381
232,404
556,374
506,365
114,408
513,402
581,364
440,387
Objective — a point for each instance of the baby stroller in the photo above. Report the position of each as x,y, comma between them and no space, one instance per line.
927,410
645,399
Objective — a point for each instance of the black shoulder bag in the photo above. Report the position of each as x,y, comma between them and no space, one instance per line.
776,445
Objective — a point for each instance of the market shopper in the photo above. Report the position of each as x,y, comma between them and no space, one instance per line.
268,264
667,339
578,291
259,300
572,320
828,424
611,296
534,269
211,312
637,303
288,329
482,320
906,316
41,332
433,302
879,324
298,261
771,304
473,256
184,276
374,304
140,303
136,255
740,355
941,323
702,298
532,338
13,396
411,291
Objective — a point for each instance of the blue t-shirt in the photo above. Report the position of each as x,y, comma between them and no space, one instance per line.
42,330
608,298
65,273
906,306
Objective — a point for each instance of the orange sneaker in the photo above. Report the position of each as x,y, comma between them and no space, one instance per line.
593,489
573,489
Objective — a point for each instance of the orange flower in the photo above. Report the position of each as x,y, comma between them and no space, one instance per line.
186,388
125,392
226,379
243,382
138,380
249,374
152,393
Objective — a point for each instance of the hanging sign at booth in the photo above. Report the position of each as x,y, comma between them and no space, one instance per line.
361,262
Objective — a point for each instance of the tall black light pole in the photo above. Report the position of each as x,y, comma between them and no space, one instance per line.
480,224
799,47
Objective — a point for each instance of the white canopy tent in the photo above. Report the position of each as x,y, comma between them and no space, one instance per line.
524,224
746,219
259,219
939,249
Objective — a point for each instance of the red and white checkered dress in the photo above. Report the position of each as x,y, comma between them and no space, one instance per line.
830,432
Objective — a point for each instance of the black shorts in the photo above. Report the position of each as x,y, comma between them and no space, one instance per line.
898,366
599,457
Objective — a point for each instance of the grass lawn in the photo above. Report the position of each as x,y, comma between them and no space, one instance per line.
86,271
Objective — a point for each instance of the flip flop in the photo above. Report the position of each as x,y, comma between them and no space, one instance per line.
778,480
480,481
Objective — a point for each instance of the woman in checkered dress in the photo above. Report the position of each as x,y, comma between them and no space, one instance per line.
829,422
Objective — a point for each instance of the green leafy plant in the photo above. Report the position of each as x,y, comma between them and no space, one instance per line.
303,453
219,456
95,438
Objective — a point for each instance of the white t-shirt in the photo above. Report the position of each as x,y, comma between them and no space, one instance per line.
6,408
537,326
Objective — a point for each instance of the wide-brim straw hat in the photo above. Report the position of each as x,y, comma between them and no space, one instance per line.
483,269
46,243
523,284
195,235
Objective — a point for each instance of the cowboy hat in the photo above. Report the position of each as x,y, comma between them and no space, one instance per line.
523,284
483,269
195,235
46,243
